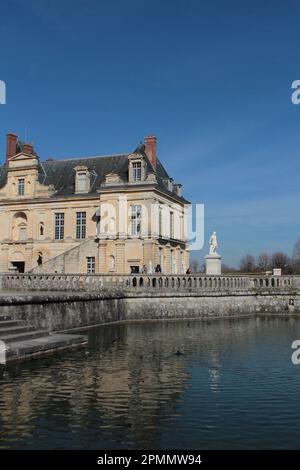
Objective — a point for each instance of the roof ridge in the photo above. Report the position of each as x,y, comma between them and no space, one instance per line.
85,158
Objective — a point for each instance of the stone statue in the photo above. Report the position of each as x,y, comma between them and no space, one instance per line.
213,244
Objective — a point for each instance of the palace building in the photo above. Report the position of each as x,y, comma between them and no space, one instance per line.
103,214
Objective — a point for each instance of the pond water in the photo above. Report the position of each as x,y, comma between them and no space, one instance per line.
233,387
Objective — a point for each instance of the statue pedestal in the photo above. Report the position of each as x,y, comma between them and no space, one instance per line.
213,264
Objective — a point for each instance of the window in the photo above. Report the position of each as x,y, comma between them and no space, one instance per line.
22,233
21,187
136,219
19,225
59,226
182,227
80,225
171,224
90,264
82,181
160,222
137,171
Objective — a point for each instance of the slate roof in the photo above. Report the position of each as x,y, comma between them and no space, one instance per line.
61,174
2,176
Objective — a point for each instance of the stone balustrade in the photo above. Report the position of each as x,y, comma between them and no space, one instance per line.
137,283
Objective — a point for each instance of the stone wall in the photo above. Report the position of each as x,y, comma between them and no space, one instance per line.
67,311
65,302
63,312
208,306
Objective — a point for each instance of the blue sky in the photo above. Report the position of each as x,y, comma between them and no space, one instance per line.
211,79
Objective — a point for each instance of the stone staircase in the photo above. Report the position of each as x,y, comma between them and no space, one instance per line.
23,340
70,260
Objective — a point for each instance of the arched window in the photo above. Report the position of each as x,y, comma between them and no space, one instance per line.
19,226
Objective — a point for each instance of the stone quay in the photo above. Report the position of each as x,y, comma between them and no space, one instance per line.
51,306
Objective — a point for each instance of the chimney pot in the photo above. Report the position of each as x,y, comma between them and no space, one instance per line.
150,148
28,149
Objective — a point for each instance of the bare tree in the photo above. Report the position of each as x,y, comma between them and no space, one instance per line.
296,257
281,260
227,269
247,264
263,262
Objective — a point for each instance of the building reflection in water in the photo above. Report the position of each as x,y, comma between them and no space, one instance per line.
127,388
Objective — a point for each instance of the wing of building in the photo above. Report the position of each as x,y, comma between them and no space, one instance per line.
104,214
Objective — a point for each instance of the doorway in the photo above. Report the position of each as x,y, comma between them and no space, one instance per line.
134,269
19,265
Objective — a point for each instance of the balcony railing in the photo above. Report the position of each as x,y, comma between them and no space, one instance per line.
194,283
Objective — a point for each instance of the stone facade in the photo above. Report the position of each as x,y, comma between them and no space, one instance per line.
111,214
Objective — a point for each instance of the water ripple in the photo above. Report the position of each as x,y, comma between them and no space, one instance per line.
234,387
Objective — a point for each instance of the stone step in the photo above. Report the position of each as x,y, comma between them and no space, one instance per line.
15,337
9,330
43,345
9,323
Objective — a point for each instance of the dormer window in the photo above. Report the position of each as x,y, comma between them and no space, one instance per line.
137,171
82,179
21,187
81,182
177,189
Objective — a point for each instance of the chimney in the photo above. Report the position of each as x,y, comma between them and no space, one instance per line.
28,149
150,149
11,145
